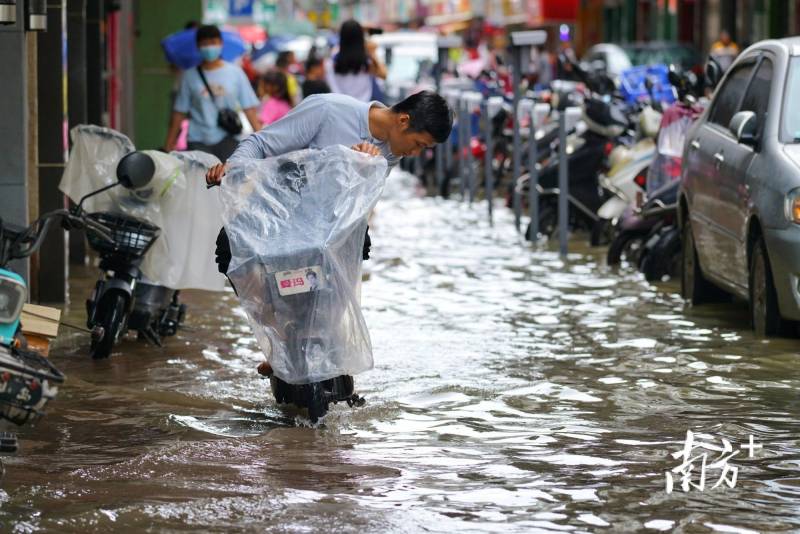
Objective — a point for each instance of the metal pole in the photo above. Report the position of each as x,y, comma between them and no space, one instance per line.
563,184
463,164
516,56
488,171
466,184
439,149
533,179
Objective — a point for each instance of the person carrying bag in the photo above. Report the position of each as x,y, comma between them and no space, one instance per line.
213,125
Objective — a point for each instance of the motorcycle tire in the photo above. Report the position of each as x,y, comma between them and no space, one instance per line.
548,223
317,403
620,245
658,260
111,317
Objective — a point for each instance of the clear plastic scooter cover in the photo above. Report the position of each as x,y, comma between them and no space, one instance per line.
296,227
175,200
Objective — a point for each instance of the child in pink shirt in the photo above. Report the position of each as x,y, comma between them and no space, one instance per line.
275,100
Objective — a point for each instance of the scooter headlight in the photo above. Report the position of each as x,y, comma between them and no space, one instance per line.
12,298
791,207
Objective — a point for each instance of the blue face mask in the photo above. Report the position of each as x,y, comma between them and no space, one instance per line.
210,53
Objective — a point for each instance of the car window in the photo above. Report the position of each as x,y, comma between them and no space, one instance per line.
790,131
757,97
726,102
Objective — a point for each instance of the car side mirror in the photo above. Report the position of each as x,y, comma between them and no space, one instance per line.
713,72
744,127
135,170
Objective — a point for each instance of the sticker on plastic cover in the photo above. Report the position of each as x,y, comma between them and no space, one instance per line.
299,281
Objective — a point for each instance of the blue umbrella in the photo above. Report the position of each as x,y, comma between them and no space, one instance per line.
181,48
275,43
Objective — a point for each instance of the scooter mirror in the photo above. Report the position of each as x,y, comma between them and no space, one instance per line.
135,170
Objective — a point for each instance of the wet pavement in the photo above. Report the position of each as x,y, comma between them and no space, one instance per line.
512,392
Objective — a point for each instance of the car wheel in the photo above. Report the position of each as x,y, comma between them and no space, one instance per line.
764,314
694,287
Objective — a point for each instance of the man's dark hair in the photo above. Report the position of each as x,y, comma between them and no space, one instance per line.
427,112
208,32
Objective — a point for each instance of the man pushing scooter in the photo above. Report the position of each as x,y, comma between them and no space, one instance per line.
322,122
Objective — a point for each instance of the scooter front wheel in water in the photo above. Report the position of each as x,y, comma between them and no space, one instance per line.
548,221
624,245
659,260
111,318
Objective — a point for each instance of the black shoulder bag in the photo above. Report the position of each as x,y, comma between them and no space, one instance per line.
227,119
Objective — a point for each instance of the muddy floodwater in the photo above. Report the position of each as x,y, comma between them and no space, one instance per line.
512,392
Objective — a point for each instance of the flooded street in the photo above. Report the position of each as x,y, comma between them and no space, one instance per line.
512,392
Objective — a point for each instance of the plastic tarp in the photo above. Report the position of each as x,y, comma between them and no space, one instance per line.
296,227
175,200
666,167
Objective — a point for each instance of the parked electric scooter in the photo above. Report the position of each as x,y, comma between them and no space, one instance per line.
120,300
164,195
637,224
646,236
28,380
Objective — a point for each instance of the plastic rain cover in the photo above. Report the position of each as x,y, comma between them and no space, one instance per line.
666,167
175,200
296,226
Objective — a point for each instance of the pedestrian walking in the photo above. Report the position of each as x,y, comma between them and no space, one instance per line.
724,50
275,99
315,83
352,71
285,63
210,96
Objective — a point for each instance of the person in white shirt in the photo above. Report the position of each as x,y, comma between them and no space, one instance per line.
352,71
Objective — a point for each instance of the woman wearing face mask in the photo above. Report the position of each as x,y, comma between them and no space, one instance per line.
210,96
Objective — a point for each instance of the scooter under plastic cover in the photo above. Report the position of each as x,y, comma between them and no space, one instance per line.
296,227
175,200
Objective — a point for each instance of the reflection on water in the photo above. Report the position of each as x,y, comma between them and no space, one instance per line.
512,392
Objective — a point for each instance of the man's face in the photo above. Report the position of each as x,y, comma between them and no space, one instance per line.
404,142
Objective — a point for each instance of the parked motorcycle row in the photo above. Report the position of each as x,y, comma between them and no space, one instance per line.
624,158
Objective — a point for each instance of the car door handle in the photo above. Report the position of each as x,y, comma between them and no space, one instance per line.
695,144
719,158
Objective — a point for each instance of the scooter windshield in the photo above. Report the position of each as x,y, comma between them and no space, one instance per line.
296,226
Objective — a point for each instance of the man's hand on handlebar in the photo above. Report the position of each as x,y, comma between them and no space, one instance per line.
215,174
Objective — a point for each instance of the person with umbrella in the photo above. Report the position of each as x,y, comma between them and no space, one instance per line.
210,96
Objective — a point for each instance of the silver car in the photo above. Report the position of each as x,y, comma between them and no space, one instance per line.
740,191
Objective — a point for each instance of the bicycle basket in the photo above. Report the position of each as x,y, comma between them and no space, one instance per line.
28,381
131,237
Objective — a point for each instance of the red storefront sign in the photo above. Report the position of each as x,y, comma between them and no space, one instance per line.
549,11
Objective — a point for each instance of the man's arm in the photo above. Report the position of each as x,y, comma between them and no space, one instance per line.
252,117
295,131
